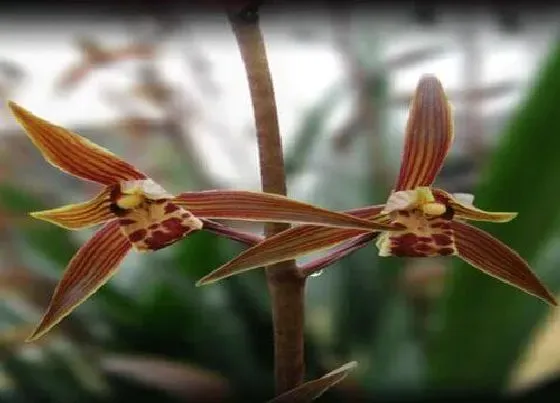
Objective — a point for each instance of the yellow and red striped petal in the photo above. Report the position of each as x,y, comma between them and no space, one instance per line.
290,244
429,135
257,206
91,267
80,215
496,259
72,153
312,390
467,211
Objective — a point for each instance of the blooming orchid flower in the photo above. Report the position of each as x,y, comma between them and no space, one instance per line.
139,214
430,221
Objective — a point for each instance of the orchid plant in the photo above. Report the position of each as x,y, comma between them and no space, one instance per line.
136,213
429,221
139,214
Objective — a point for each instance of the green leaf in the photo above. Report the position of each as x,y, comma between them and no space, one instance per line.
483,324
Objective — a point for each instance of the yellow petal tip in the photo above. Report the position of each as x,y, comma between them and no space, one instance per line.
40,215
203,282
33,337
12,105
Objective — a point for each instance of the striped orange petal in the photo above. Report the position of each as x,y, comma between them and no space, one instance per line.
72,153
496,259
81,215
290,244
92,266
429,135
258,206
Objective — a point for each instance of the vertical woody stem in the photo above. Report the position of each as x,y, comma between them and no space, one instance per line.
286,287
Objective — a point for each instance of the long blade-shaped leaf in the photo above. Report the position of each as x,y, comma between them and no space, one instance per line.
182,380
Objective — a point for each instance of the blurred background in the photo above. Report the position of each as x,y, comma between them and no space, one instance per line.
167,91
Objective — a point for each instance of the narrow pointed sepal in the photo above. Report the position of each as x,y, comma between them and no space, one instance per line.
496,259
311,390
429,135
80,215
466,211
290,244
92,266
268,207
341,251
72,153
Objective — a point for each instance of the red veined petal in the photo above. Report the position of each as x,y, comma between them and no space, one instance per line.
72,153
289,244
496,259
286,245
258,206
338,253
311,390
157,224
80,215
92,266
429,135
469,212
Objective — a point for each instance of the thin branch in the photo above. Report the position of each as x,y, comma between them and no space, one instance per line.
285,285
228,232
347,248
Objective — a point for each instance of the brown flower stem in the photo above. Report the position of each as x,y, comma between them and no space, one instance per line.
285,285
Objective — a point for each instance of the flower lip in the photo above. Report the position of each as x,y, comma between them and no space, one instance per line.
132,194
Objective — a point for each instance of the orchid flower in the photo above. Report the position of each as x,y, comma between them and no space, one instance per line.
139,214
430,221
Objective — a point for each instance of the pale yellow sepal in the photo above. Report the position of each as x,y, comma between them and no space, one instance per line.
80,215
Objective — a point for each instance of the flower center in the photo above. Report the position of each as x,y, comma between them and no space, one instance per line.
134,194
131,201
420,198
